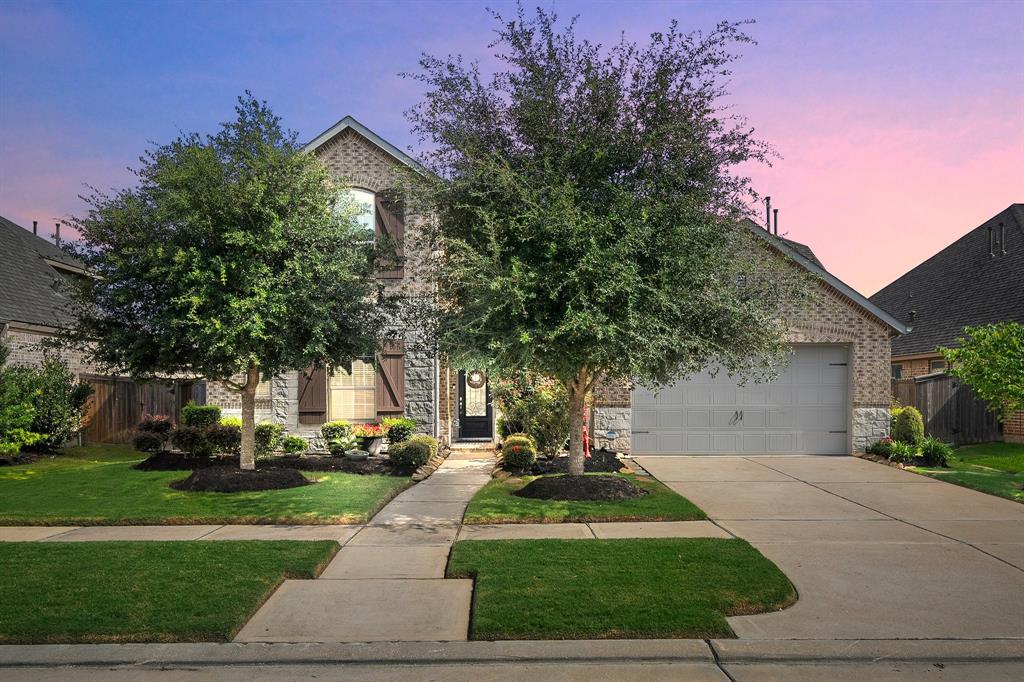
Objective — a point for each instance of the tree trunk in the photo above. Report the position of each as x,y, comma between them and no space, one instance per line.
247,460
577,390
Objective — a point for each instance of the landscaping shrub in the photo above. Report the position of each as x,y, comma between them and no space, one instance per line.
894,413
268,438
409,454
59,401
156,424
294,445
145,441
398,428
935,452
880,447
536,405
342,444
231,421
192,441
16,408
429,441
909,426
519,451
39,406
226,438
200,416
901,452
335,429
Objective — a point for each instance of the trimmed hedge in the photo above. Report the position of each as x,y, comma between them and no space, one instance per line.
429,441
909,426
409,454
200,416
519,451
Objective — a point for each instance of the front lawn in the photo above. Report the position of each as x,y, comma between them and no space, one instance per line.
495,503
993,468
96,485
143,591
610,589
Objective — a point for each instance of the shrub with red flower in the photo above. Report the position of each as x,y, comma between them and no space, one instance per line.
367,430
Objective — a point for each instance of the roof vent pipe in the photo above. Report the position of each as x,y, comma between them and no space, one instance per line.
1002,237
775,214
56,234
991,253
768,214
913,314
35,227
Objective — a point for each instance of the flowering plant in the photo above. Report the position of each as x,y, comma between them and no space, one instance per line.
367,431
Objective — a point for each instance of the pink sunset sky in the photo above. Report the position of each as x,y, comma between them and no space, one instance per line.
900,125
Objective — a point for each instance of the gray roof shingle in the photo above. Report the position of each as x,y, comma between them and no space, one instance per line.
960,286
29,286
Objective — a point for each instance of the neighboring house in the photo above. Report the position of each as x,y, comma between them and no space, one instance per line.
976,280
34,308
833,398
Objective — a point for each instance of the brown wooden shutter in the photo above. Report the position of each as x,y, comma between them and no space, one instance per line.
391,379
390,224
313,395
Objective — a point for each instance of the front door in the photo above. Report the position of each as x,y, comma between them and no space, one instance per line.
475,409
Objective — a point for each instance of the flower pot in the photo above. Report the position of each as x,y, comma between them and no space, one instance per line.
357,455
371,444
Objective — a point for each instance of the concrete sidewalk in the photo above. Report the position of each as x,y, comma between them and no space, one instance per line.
873,551
718,660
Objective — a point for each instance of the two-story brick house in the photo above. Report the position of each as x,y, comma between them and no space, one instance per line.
833,398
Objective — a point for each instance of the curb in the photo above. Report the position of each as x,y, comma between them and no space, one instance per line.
564,651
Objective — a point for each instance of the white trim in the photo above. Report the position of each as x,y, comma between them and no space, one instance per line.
350,122
829,278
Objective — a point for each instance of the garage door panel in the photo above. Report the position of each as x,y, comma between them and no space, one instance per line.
804,411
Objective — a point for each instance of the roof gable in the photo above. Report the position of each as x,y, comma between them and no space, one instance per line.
351,123
961,285
803,256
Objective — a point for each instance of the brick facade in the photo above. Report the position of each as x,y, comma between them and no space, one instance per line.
27,346
355,161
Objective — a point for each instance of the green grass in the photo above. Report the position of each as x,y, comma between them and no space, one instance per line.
96,485
495,503
993,468
143,591
604,589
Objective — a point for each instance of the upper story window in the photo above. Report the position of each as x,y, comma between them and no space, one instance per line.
937,366
366,213
897,371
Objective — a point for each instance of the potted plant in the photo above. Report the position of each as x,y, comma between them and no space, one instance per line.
340,445
370,437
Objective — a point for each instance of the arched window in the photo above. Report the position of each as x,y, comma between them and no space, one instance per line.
364,201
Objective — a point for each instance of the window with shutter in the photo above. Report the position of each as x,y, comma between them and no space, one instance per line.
353,391
391,380
390,226
313,395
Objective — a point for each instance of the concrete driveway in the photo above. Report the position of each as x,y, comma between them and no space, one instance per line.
874,552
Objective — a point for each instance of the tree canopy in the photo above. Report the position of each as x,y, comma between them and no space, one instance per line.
232,256
990,359
589,211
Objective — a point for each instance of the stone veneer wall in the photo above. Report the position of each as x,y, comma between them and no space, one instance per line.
832,318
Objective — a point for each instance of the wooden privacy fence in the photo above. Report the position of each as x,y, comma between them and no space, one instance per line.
117,404
950,409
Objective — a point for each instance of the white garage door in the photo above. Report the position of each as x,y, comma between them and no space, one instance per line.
804,411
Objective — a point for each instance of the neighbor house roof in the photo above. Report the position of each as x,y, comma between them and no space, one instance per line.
351,123
804,256
961,285
30,274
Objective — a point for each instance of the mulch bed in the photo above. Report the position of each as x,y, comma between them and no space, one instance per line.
580,488
174,461
20,458
600,462
226,479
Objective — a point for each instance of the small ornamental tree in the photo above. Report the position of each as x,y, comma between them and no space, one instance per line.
231,260
589,219
990,360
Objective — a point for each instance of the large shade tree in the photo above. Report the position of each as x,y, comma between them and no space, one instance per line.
232,259
589,212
